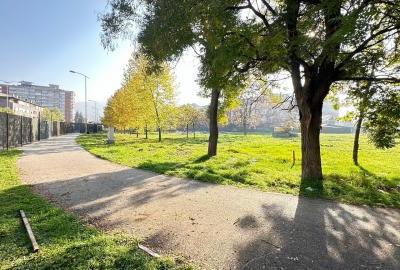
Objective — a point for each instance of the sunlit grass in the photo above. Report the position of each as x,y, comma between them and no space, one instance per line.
65,242
263,162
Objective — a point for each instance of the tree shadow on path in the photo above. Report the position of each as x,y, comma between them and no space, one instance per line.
323,235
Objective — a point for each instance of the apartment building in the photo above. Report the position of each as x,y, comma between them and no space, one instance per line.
20,107
50,96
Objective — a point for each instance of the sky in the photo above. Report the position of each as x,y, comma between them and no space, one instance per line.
42,40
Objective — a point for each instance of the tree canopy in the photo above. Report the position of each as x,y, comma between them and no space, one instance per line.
318,42
78,118
52,114
146,99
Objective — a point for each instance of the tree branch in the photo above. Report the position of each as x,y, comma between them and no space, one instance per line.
269,7
363,46
370,79
237,7
258,14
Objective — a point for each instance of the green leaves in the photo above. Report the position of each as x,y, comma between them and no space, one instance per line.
383,123
52,114
146,98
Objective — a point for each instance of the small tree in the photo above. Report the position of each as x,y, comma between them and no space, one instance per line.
376,107
6,110
79,117
189,116
146,99
248,101
52,114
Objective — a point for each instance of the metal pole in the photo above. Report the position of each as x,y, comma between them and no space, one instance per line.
8,93
86,124
20,126
7,130
30,130
39,127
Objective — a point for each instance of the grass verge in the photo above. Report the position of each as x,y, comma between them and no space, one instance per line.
65,242
263,162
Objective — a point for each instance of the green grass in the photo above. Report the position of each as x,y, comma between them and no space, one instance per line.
65,242
263,162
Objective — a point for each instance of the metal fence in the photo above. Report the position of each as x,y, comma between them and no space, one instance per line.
18,130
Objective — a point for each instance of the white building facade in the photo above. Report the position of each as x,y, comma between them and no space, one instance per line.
50,96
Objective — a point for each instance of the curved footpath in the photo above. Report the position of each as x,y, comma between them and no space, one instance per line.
216,227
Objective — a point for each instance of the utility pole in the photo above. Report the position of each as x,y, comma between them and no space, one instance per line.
86,77
8,94
95,109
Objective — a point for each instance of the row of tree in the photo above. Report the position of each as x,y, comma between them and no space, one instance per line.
318,43
146,101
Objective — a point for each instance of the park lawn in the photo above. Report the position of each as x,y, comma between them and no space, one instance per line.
65,242
263,162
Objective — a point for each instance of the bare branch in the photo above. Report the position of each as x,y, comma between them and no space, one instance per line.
258,14
370,79
364,45
237,7
269,7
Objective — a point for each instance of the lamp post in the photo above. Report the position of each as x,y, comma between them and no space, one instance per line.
86,77
95,109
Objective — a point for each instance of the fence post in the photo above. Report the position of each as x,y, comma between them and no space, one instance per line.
39,127
51,126
20,129
30,130
7,129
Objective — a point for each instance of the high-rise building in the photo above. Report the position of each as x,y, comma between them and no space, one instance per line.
50,96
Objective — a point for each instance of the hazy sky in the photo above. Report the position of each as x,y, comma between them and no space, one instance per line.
42,40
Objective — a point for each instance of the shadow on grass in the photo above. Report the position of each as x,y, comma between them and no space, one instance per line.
160,167
12,153
202,159
358,188
65,242
363,187
99,140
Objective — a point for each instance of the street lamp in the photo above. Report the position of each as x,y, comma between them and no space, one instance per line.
86,77
95,109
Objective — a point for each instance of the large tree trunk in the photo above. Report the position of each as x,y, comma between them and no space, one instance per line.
356,139
311,83
213,111
310,123
310,111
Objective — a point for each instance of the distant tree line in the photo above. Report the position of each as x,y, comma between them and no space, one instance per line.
146,101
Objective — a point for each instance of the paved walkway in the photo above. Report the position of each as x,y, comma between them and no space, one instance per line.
218,227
